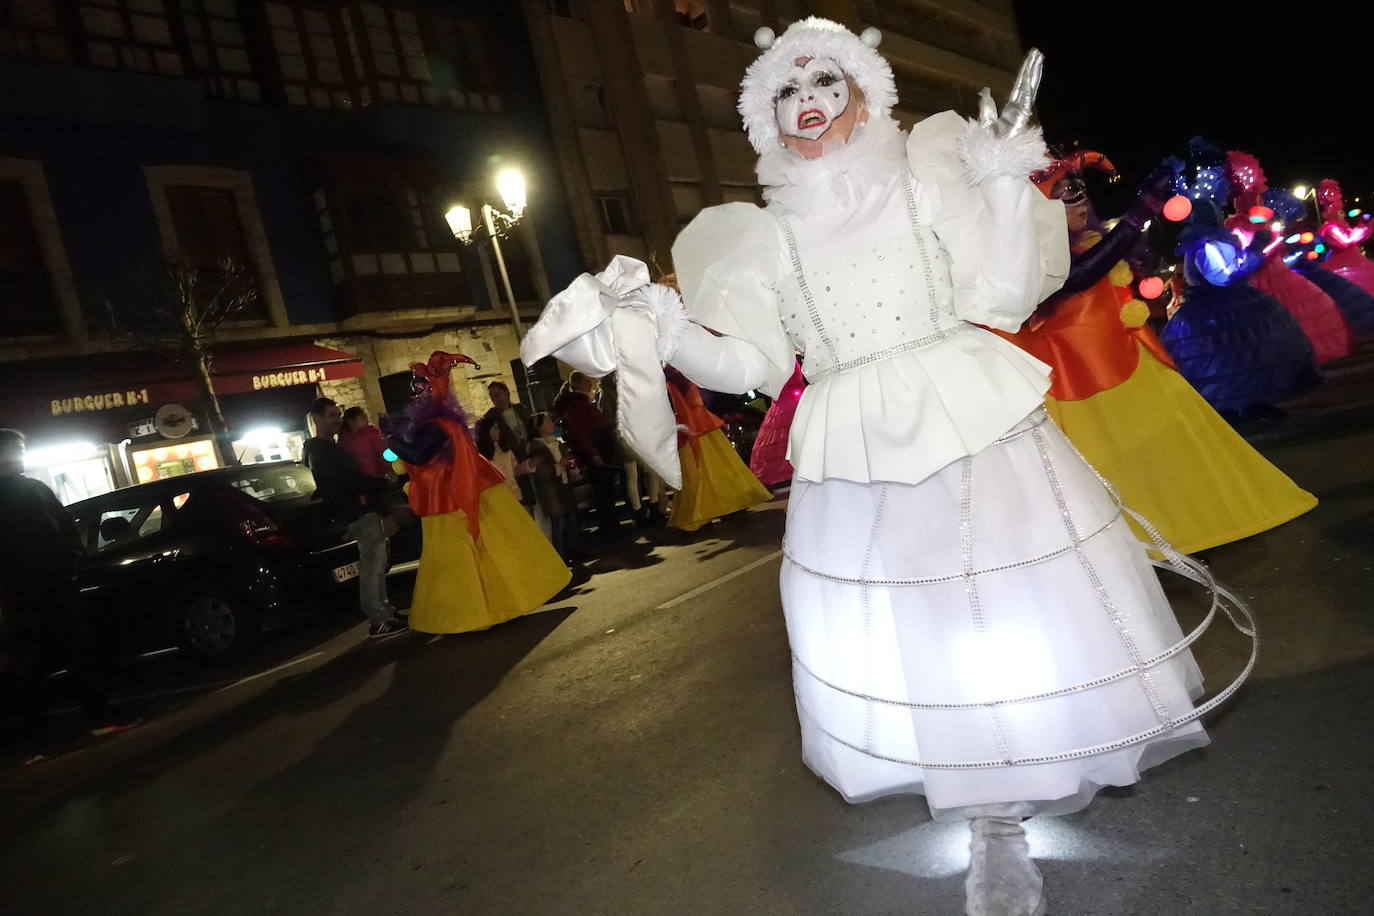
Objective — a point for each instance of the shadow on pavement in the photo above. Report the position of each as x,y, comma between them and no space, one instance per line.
447,675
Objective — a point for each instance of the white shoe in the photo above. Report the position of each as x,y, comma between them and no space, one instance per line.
1002,879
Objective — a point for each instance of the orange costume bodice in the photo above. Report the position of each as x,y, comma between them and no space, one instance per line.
691,414
1086,343
452,483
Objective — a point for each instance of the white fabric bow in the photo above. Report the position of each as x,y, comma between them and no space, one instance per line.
599,325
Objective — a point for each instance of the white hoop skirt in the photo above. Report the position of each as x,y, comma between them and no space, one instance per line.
992,635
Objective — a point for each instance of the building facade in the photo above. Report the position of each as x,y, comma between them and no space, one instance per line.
641,96
316,144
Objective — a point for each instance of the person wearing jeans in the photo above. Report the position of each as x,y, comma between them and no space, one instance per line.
350,497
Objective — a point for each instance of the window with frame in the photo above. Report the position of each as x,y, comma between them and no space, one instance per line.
401,56
25,284
478,67
124,524
32,29
134,35
588,104
617,212
386,230
209,230
693,14
308,53
219,49
398,53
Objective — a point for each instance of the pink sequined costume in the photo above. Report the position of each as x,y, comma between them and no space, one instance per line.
1344,239
768,460
1317,314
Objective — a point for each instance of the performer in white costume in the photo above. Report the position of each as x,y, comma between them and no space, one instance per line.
970,615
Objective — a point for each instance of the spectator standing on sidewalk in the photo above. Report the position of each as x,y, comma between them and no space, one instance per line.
364,443
514,422
345,491
593,441
44,625
507,462
551,485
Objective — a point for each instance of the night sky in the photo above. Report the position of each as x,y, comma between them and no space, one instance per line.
1136,80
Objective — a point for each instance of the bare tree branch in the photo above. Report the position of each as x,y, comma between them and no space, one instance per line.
188,320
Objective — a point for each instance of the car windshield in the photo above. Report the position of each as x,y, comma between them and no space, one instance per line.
277,483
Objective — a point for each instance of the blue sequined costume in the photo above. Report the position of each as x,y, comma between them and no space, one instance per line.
1237,346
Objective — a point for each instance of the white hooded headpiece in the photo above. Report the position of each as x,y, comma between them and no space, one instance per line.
818,38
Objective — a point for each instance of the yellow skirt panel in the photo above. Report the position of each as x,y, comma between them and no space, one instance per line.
719,485
465,585
1177,462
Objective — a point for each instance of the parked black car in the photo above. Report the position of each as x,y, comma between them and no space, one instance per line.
210,560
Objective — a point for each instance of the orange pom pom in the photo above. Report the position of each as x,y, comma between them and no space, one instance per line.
1134,314
1152,287
1178,208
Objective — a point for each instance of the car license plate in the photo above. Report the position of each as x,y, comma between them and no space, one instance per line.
344,573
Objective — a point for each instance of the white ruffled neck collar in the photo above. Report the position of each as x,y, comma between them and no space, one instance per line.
793,184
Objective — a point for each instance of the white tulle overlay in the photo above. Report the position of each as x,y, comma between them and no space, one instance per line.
993,634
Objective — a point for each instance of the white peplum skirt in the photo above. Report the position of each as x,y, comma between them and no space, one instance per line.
992,636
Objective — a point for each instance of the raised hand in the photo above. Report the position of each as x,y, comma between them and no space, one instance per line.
1016,113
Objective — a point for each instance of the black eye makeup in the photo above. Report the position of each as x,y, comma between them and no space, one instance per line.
787,91
826,78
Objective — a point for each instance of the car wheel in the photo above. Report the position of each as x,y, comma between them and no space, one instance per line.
217,627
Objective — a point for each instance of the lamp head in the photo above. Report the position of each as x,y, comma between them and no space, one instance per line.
511,185
459,220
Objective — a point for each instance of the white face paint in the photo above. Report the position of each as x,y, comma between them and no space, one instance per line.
811,99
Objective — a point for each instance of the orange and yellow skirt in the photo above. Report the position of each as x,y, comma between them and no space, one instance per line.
715,482
1177,462
464,584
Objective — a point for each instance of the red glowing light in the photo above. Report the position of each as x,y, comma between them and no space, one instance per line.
1177,209
1261,214
1311,256
1152,287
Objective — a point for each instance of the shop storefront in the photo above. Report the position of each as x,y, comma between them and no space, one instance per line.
113,420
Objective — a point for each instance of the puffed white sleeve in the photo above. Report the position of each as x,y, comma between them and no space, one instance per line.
1008,244
728,261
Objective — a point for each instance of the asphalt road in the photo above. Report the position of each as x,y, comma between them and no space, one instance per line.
634,749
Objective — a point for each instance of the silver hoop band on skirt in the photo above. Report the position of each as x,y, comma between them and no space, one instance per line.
995,634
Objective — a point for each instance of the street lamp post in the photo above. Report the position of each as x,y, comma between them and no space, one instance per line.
496,225
1302,192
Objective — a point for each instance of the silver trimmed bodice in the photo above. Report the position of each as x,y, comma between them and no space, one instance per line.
868,293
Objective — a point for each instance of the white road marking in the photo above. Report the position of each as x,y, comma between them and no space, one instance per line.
211,687
702,589
261,674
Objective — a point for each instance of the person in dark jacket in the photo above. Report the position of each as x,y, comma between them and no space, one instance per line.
353,498
44,625
592,438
